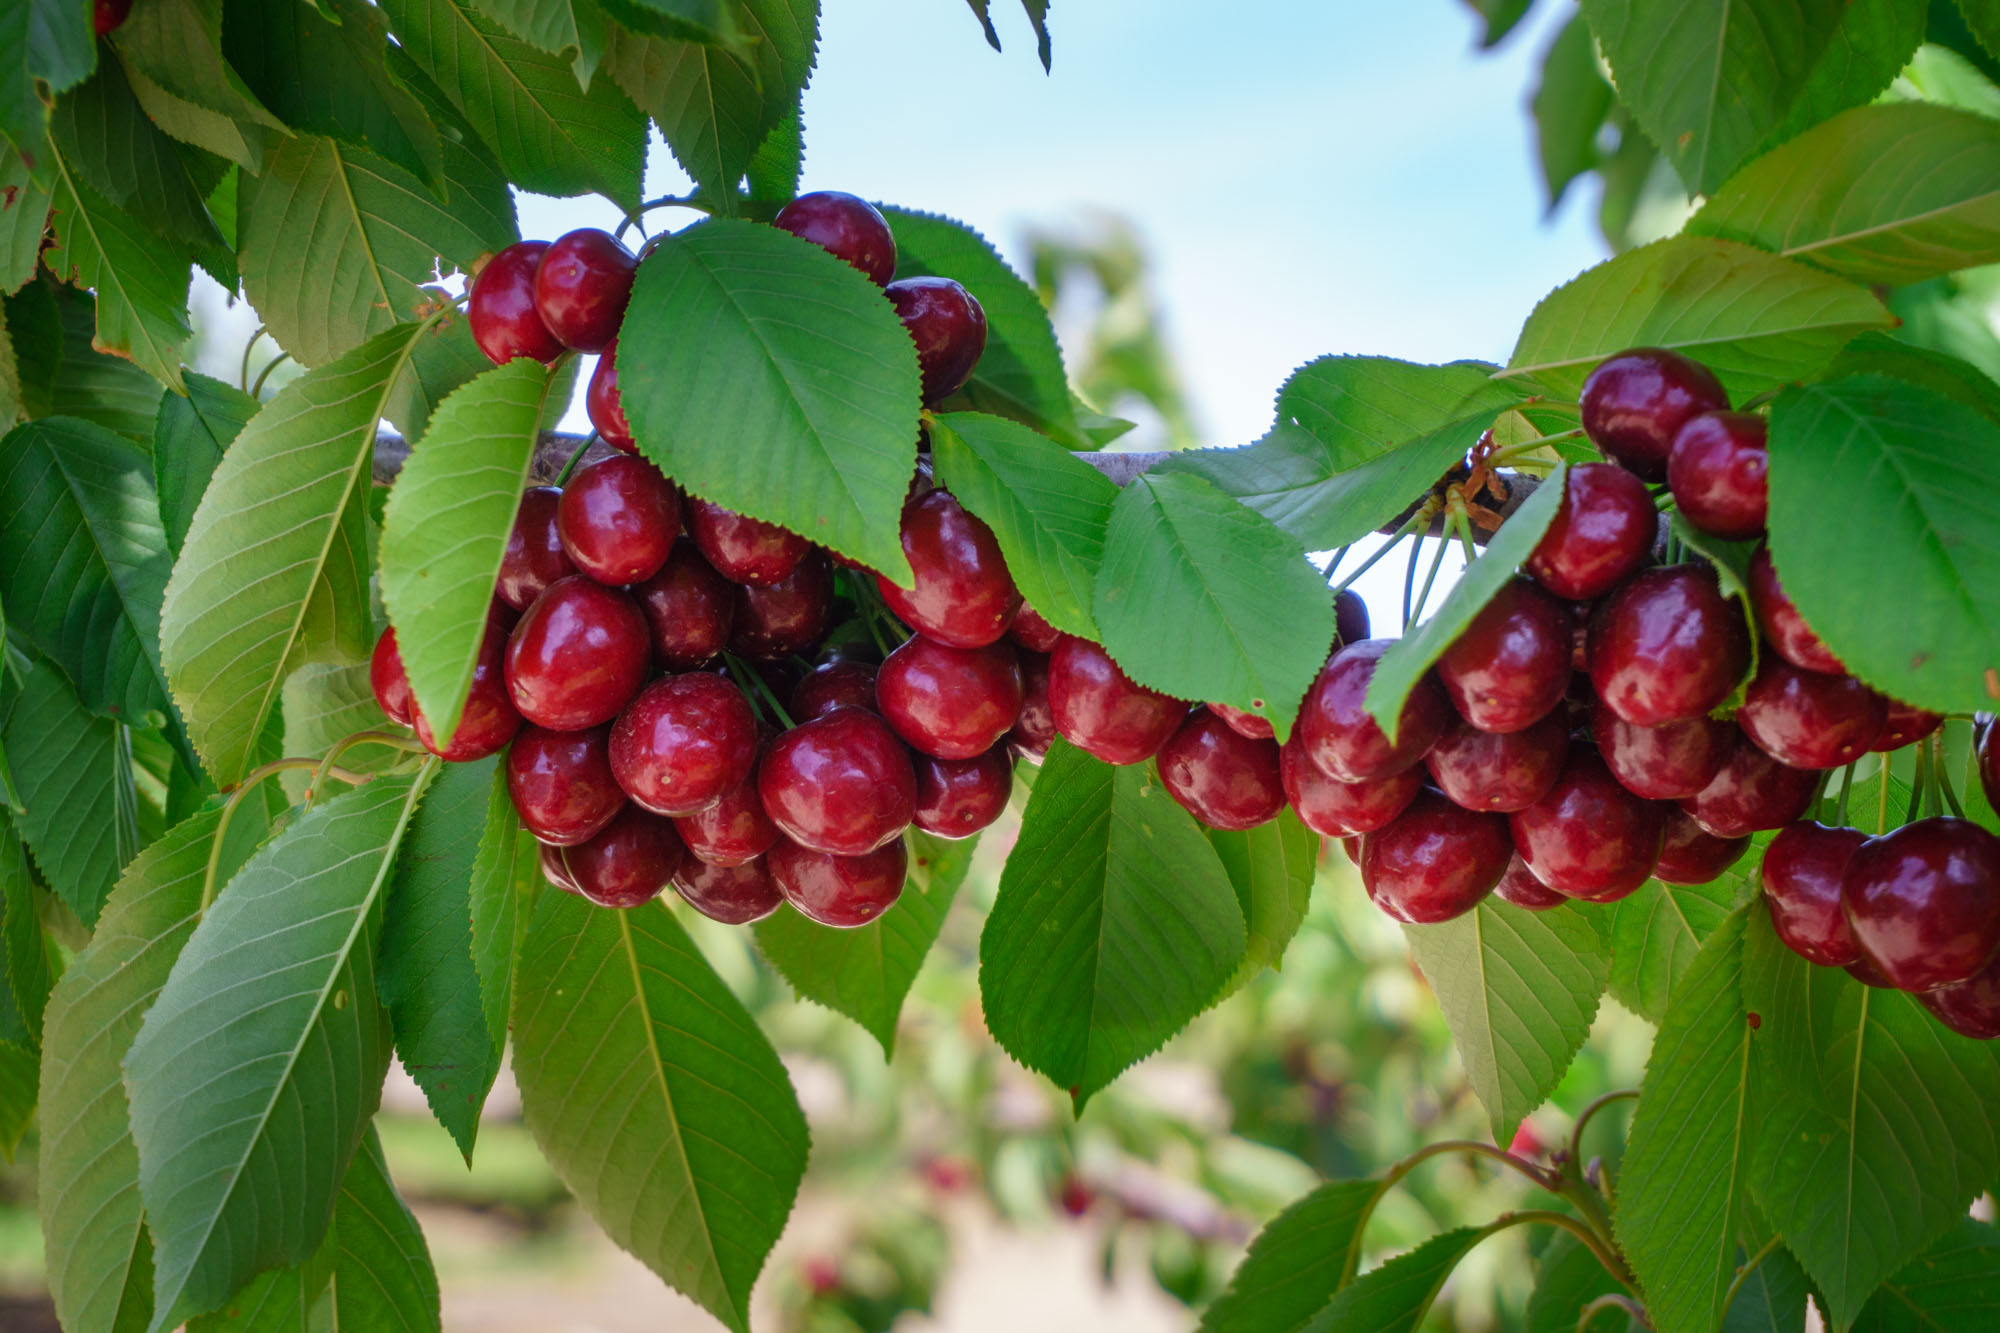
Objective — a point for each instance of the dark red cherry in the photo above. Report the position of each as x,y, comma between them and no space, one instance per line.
107,16
1636,402
581,287
846,228
963,594
1343,738
1971,1008
778,619
1350,616
689,609
1905,725
501,308
730,830
579,653
948,328
951,703
839,891
1716,472
1986,750
841,783
1036,726
1223,778
1691,854
1520,887
618,518
1098,709
1510,666
1802,872
1864,972
683,742
1751,792
534,557
489,719
1667,645
1663,763
389,681
1339,809
1500,772
743,549
1434,861
735,895
1032,632
1601,533
606,408
1248,725
1923,902
635,856
958,797
1783,625
553,869
1808,720
844,682
1588,837
562,784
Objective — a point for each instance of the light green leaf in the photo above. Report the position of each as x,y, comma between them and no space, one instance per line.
1397,1297
445,358
1272,868
1296,1263
244,142
1950,1288
175,46
1885,354
321,703
1657,931
73,775
141,281
506,877
24,215
189,438
1873,40
557,26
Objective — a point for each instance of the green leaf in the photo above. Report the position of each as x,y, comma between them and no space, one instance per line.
106,138
24,215
174,48
866,973
188,441
801,412
1048,509
1569,105
73,775
1114,926
1915,611
244,142
1686,1162
1519,991
655,1097
1271,868
18,1094
140,281
445,358
1884,354
1417,650
1953,1286
1657,931
322,702
1983,22
506,876
551,136
255,1073
1872,42
1295,1263
53,326
557,26
49,40
1709,80
24,957
1252,618
1397,1297
1772,1298
774,170
274,571
1568,1277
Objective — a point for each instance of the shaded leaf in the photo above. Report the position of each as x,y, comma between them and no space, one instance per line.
1296,1263
106,138
1569,105
189,438
73,775
141,283
1272,868
24,216
1396,1297
1657,931
1953,1286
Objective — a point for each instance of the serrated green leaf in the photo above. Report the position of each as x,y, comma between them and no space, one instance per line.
655,1097
24,216
244,142
767,376
49,40
141,281
53,326
1772,1298
106,138
255,1073
24,958
1397,1297
73,775
445,358
175,47
506,877
1871,43
1519,991
1885,354
774,170
189,438
1114,926
1272,868
1568,1277
1953,1287
1048,510
1569,106
556,26
1983,22
1296,1263
1657,931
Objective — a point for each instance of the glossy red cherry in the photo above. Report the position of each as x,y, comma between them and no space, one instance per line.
1520,887
683,742
844,682
107,16
1248,725
1434,861
1343,738
1636,402
389,681
1339,809
1690,854
1923,902
1500,772
489,719
1036,726
841,783
1786,628
1751,792
606,408
1666,646
1602,532
1511,665
1221,777
778,619
689,609
1350,616
1588,837
958,797
1663,763
501,308
578,654
618,518
1905,725
553,869
1802,872
730,830
1971,1008
845,227
1098,709
743,549
839,891
534,557
629,862
1032,632
735,895
581,287
1808,720
561,783
951,703
963,594
1864,972
948,328
1717,474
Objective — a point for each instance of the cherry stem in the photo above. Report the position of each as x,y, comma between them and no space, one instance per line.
1421,519
1585,1116
757,687
575,458
1515,453
1541,1179
1750,1266
243,374
1846,788
1612,1300
346,743
257,389
1941,774
1582,1231
1437,561
1882,800
1462,524
249,784
1918,782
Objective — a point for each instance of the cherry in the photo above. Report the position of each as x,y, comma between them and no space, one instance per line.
839,891
1663,763
1808,720
963,594
1520,887
1667,645
629,862
1716,472
1098,709
107,16
952,703
1248,725
1343,738
1751,792
1864,972
742,549
501,308
534,557
1434,861
1221,777
841,783
1636,402
1032,632
735,895
1588,837
1036,726
553,869
732,829
1339,809
389,681
618,518
1500,772
1923,901
958,797
1510,666
1601,533
581,287
1971,1008
689,609
606,408
1691,854
683,742
775,620
846,228
948,328
1350,616
1986,749
843,682
489,719
562,784
1904,725
1802,871
579,653
1579,640
1786,628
